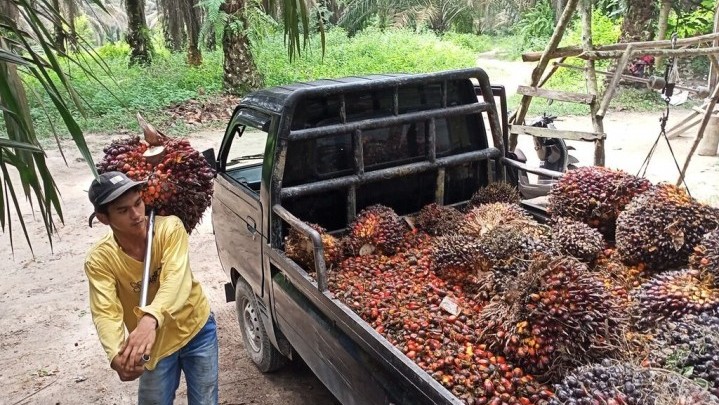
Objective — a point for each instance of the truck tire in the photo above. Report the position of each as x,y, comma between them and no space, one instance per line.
257,344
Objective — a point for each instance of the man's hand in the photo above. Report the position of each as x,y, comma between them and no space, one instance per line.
126,374
139,343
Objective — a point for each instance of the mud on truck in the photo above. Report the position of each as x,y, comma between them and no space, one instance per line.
321,153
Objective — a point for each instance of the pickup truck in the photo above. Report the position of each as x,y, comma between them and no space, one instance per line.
320,152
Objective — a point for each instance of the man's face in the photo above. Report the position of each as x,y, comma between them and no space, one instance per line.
126,215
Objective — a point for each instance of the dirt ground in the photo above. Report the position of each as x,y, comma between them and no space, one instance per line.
50,350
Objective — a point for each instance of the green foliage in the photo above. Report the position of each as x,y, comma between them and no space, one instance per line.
537,25
695,21
147,89
370,51
604,31
476,43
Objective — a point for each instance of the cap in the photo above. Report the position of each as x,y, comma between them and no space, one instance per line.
108,187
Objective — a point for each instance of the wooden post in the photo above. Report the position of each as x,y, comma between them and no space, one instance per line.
590,76
713,74
609,92
542,64
664,10
700,134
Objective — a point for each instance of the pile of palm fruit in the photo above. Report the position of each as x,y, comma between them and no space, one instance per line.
589,307
179,181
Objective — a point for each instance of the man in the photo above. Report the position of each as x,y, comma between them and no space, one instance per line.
176,330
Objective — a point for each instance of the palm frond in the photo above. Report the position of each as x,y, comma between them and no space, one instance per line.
32,49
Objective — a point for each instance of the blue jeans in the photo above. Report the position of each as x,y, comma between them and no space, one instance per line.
198,360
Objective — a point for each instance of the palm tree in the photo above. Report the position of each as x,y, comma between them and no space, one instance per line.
27,46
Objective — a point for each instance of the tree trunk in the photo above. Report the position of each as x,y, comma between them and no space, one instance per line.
59,37
191,14
663,24
72,12
240,72
173,26
558,8
138,35
638,21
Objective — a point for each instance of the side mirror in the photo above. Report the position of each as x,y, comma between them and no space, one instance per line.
209,155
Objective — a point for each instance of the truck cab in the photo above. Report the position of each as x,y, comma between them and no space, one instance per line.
320,152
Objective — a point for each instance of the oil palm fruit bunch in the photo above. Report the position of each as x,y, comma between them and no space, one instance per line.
690,347
595,195
705,255
495,193
457,253
482,219
555,315
437,220
180,183
459,260
615,383
673,294
511,247
661,227
299,248
577,239
376,230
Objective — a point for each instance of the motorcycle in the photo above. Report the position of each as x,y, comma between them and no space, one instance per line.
554,159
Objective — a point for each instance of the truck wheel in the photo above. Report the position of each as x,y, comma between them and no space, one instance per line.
257,343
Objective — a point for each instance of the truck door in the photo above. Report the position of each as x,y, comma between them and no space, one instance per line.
236,205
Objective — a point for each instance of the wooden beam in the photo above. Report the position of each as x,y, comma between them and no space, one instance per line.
576,50
612,87
556,133
556,95
550,73
654,52
700,134
543,62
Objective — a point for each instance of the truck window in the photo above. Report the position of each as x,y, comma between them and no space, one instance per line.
245,156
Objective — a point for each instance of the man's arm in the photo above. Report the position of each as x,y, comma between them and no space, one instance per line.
107,315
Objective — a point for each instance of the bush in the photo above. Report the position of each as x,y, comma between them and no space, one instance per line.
476,43
370,51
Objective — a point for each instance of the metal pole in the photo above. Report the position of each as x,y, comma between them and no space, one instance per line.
146,267
148,258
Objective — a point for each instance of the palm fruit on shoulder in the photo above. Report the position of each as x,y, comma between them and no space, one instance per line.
482,219
577,239
689,346
437,220
180,184
299,248
705,255
495,193
661,227
555,315
376,230
673,294
595,195
611,382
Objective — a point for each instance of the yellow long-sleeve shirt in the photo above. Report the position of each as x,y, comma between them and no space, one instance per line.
176,298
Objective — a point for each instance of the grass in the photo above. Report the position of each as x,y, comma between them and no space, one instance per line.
111,108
